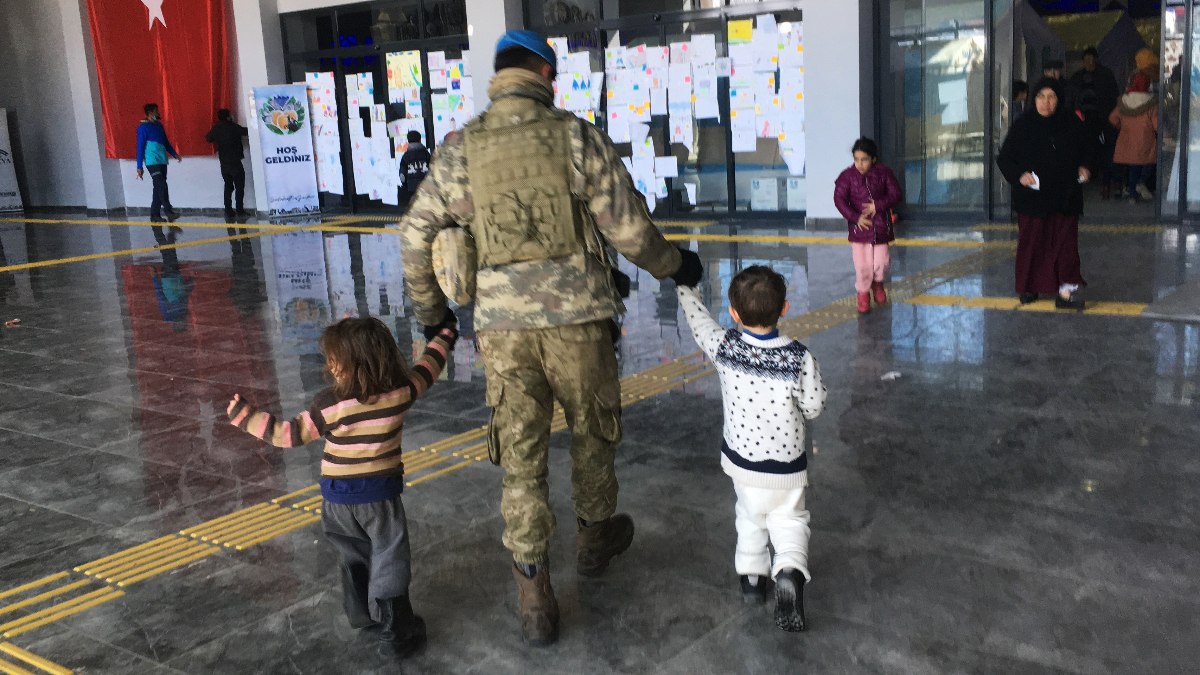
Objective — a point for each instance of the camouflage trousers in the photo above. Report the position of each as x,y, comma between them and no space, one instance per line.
527,371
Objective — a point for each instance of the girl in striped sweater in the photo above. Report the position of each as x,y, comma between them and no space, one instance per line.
362,475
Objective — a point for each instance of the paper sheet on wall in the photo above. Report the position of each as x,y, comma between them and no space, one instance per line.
704,84
644,150
766,23
766,50
618,125
660,187
952,95
657,59
704,49
666,167
794,155
403,72
740,31
437,78
614,57
681,53
597,90
724,67
658,101
741,125
679,83
559,45
638,133
635,56
352,91
690,190
680,123
366,88
741,90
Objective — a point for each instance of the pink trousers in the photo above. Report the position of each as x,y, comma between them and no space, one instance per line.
871,262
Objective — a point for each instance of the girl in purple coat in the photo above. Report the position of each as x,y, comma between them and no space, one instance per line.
865,194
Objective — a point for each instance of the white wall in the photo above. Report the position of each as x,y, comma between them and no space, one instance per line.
487,20
34,83
833,101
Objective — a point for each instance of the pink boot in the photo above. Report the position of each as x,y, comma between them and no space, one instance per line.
864,302
880,294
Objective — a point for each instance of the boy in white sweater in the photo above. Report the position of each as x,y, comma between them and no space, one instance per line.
770,385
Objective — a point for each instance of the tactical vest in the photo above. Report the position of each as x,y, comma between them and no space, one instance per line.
521,186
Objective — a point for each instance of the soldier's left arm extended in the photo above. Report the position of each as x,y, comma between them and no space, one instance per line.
618,208
434,207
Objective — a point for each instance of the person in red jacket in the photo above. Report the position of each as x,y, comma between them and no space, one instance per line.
865,194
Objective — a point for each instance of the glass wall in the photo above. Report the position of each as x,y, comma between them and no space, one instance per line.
932,65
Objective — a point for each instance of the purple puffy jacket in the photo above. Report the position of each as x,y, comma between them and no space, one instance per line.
853,189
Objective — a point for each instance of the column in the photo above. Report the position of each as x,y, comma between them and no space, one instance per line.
487,20
833,41
258,43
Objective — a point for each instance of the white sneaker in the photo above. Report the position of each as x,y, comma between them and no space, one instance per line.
1144,192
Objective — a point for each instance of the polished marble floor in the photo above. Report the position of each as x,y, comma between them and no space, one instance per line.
1024,497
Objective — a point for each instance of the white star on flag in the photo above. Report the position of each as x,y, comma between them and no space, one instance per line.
154,7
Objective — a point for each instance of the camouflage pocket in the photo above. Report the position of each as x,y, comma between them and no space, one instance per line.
608,412
494,395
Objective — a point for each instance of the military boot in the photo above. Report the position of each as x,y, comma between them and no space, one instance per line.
600,542
400,632
536,606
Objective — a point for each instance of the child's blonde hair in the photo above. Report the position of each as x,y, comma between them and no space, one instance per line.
363,359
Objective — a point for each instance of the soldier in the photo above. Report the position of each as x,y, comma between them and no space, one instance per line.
543,193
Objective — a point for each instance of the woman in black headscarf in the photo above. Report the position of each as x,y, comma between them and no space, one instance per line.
1045,160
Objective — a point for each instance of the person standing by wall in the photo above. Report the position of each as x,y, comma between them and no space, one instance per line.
227,136
414,165
543,193
1044,159
153,148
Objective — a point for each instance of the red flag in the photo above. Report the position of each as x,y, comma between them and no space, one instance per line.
169,52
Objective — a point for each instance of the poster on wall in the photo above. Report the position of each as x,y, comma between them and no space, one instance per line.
287,149
10,196
302,294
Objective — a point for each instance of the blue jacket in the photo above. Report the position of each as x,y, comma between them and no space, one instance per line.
152,144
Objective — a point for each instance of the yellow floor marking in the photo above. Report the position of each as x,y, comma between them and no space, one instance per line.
271,535
186,225
166,561
253,525
33,584
44,596
293,516
55,608
135,251
835,240
237,515
435,474
166,568
210,530
313,501
33,659
106,559
685,223
286,497
1088,228
64,612
139,560
1095,308
13,669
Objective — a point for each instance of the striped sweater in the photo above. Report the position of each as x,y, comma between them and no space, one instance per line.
361,439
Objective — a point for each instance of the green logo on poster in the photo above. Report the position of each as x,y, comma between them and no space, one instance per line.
283,115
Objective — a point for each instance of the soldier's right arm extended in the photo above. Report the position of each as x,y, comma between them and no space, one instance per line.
438,204
620,210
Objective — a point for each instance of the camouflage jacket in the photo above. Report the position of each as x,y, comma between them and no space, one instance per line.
556,291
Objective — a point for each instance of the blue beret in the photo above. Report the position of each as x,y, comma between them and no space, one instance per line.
527,39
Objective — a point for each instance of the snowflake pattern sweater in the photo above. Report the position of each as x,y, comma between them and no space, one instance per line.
769,386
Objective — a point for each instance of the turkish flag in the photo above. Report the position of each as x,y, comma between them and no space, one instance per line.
169,52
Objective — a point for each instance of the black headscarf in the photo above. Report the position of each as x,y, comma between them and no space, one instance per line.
1060,117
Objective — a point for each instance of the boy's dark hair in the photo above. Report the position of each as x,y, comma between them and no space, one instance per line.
414,137
224,115
1092,51
149,108
367,355
1020,87
519,57
866,145
757,294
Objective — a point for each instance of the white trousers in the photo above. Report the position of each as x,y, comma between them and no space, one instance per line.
779,516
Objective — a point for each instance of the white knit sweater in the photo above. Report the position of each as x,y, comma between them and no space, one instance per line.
768,388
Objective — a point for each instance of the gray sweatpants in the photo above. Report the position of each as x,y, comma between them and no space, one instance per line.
372,540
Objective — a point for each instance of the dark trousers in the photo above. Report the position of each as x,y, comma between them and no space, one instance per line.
372,540
235,182
161,199
1047,253
1139,173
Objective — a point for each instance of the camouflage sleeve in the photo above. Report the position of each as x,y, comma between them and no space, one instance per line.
441,200
618,209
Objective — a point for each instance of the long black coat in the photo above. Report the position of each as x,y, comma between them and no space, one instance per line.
1054,148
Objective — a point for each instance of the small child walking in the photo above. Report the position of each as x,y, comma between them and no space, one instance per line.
770,385
361,418
865,194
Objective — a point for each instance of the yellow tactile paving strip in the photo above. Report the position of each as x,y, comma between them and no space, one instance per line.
1097,228
10,653
1097,308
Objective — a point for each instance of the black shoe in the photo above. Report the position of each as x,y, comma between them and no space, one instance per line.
157,219
1027,298
401,633
789,600
172,216
1071,302
753,594
230,217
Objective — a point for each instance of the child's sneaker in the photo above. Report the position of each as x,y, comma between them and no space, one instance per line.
789,600
864,302
753,594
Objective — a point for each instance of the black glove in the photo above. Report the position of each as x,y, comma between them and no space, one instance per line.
448,320
690,269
